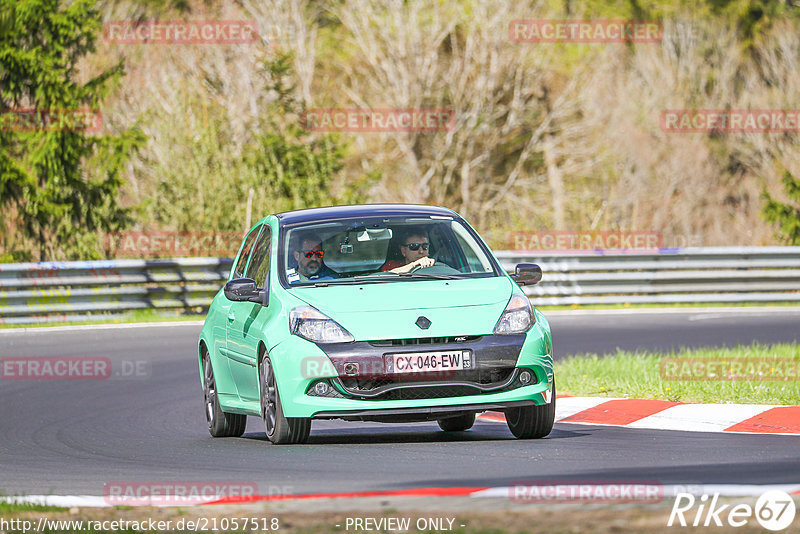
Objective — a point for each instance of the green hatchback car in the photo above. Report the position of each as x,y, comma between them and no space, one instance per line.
390,313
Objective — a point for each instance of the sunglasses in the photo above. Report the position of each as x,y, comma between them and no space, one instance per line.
416,246
310,253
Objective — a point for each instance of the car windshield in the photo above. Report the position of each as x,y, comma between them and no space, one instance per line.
384,250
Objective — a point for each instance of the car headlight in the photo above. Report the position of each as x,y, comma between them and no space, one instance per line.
517,318
313,325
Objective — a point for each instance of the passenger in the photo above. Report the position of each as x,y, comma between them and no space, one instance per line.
408,252
310,263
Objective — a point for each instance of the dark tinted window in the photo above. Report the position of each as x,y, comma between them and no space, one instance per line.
259,265
238,272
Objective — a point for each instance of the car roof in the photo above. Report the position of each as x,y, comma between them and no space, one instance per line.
361,210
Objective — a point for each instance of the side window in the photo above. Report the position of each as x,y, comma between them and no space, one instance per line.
473,263
442,246
259,264
238,271
476,264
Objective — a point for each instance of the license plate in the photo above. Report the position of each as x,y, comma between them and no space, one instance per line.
429,361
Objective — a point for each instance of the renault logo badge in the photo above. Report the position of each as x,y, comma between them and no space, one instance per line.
423,322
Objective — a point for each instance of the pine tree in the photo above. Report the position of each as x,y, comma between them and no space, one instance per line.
58,183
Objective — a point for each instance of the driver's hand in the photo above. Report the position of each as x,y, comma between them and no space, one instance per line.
425,262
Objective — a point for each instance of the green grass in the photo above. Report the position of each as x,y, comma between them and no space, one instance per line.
639,375
137,316
10,508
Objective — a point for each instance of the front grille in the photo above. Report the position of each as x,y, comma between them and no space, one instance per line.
472,382
365,384
484,377
429,392
423,341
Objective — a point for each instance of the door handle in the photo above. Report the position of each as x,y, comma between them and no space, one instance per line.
231,317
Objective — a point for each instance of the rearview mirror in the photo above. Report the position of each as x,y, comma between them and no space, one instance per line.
527,274
378,234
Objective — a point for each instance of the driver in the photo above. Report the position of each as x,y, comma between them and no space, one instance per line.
411,253
310,265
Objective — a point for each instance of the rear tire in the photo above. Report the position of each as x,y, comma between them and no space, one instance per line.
220,424
532,422
280,430
460,423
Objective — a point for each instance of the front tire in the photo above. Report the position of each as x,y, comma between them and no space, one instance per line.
460,423
280,430
532,422
220,424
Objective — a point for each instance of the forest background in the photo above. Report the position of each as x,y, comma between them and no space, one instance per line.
547,136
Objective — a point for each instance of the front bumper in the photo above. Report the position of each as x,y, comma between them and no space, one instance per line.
364,372
418,414
491,384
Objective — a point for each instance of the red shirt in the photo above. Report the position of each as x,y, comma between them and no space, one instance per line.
391,264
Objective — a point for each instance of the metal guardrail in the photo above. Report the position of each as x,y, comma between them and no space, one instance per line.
78,290
61,291
684,275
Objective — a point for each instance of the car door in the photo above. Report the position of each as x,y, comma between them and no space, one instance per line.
245,320
222,309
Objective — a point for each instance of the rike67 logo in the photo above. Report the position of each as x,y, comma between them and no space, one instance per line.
774,510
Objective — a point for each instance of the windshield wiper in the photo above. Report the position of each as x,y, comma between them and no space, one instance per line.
383,277
373,278
350,281
388,275
426,275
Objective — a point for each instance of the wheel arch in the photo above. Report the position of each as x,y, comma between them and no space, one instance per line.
262,353
202,345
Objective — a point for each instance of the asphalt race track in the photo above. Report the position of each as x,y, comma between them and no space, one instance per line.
603,331
72,437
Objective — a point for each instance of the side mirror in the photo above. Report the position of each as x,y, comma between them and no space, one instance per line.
527,274
245,290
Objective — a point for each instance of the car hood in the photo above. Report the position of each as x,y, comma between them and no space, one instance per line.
390,309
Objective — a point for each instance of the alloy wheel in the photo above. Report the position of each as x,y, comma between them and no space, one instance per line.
268,396
209,390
